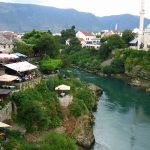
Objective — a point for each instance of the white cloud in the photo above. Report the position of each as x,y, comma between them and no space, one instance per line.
97,7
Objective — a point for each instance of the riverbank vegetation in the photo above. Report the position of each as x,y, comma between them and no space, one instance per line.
39,109
50,141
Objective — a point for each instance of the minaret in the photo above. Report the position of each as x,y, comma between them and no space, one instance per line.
116,27
141,27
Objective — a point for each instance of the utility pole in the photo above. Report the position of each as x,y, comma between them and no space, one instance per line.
141,27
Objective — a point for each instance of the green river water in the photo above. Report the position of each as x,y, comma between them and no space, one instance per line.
122,120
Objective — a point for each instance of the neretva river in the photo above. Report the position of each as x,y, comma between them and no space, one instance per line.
122,120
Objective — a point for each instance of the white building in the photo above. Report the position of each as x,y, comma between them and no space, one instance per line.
147,37
88,40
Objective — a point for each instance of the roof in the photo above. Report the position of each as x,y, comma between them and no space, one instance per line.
62,88
87,34
21,66
9,38
20,55
134,41
3,125
4,40
7,56
4,91
7,78
81,39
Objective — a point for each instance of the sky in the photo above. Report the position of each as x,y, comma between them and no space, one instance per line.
97,7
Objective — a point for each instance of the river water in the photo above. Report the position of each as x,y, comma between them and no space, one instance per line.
122,120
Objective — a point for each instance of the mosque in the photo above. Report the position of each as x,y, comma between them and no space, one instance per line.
146,38
142,42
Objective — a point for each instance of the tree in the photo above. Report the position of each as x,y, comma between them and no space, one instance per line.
128,36
47,45
24,48
111,43
32,37
68,34
104,51
115,41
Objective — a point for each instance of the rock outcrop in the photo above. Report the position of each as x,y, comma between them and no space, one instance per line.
83,132
139,77
97,90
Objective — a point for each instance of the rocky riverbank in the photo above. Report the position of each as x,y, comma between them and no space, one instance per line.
137,78
81,128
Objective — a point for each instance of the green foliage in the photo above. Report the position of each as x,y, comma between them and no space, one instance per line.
50,83
55,141
47,45
42,43
107,70
67,34
51,141
128,36
74,45
86,96
47,64
24,48
16,141
78,108
32,37
104,51
86,58
118,66
111,43
135,57
38,108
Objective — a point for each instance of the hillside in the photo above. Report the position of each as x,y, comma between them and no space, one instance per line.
25,17
125,21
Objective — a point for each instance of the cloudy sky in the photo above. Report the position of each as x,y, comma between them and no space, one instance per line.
97,7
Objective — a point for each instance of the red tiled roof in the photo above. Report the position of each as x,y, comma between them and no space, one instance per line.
81,39
87,34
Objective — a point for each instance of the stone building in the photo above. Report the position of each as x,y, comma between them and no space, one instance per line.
8,41
147,37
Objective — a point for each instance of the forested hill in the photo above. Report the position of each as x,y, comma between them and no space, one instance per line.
25,17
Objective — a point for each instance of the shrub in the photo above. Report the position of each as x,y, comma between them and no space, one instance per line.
38,108
47,64
55,141
78,108
86,96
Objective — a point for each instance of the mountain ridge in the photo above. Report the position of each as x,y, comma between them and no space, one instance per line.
25,17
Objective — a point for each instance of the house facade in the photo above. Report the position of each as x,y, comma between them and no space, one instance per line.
88,40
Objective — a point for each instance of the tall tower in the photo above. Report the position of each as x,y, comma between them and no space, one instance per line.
141,27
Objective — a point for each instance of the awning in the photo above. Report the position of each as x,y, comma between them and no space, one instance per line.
62,88
135,41
8,78
20,55
4,91
21,66
3,125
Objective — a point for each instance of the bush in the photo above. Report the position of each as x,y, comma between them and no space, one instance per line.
117,66
47,64
87,97
78,108
38,108
55,141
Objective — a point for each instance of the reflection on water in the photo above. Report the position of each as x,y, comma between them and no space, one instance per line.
123,115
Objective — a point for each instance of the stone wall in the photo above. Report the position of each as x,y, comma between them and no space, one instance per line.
28,84
6,112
